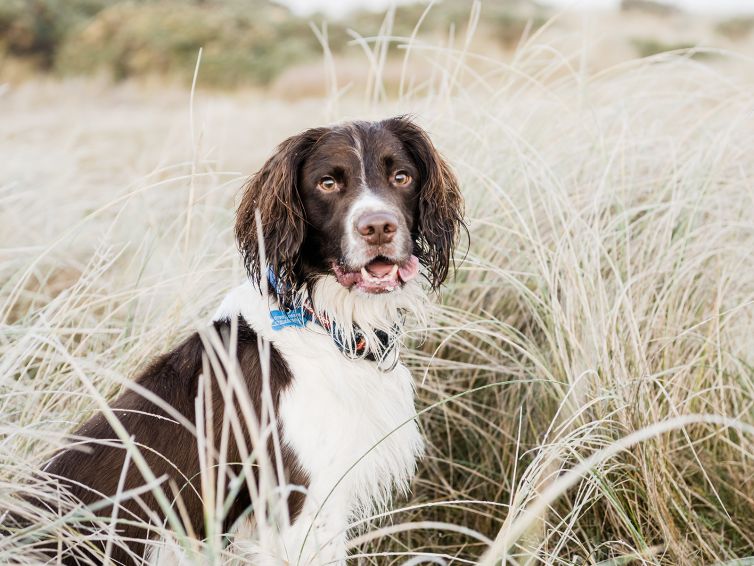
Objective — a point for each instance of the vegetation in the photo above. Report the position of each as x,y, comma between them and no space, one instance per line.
37,28
586,385
239,45
737,28
243,42
646,47
649,7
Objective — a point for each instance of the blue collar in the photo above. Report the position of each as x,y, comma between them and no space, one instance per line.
295,317
299,316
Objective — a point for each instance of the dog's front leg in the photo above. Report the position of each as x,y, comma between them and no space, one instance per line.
318,536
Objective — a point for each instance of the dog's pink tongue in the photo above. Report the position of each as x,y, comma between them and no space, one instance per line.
410,269
379,268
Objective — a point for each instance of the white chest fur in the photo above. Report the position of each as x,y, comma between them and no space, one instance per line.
349,423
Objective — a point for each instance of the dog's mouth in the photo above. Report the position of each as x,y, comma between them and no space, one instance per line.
380,275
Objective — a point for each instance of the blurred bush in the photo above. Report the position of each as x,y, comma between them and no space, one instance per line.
248,44
504,21
36,28
652,7
243,41
646,47
736,28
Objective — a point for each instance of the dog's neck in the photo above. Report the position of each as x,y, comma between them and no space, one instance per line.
362,325
385,312
349,314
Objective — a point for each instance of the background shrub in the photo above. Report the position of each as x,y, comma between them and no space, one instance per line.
240,45
37,28
243,42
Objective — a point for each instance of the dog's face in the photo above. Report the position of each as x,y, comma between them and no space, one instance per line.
366,202
359,187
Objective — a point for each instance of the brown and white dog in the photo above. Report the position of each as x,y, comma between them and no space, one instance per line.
349,216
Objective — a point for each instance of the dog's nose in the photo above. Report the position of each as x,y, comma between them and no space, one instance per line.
377,227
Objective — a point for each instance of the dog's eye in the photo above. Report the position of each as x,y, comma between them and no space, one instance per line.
401,178
327,183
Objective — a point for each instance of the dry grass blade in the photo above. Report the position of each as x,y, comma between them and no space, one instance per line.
586,384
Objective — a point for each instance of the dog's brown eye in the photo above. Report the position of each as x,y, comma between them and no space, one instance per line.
327,183
401,178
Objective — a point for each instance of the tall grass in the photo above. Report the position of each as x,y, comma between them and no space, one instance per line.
586,384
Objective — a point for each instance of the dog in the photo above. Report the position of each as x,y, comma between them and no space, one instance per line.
336,230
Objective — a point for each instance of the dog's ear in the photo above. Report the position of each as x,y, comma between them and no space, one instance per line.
273,190
440,210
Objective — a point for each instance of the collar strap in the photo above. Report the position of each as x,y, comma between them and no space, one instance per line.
290,316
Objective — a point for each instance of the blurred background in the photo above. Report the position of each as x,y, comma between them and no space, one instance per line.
278,46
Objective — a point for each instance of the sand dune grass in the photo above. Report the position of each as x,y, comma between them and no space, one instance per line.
586,384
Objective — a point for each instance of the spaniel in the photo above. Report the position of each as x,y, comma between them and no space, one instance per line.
336,230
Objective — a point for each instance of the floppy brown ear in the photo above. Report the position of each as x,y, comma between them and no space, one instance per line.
440,211
273,190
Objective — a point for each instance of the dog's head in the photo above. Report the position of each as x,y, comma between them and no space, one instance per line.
365,202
